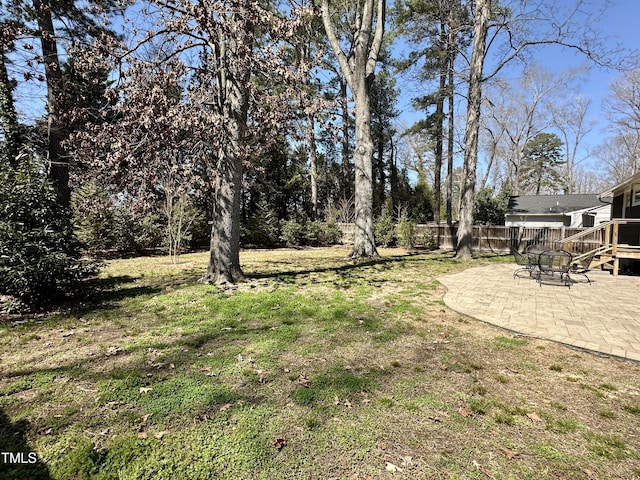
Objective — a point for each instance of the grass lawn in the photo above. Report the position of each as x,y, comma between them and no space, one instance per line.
317,368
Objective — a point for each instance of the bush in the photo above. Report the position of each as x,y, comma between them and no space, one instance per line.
428,240
406,232
490,210
331,233
136,233
384,229
263,227
319,233
292,232
102,226
40,256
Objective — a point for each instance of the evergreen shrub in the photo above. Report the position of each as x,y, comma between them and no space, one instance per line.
40,256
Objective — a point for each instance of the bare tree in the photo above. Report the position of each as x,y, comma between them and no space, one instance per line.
358,67
524,25
623,108
516,112
569,118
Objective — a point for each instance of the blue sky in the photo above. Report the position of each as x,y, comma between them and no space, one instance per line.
620,24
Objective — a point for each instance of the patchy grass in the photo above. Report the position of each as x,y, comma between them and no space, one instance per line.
317,367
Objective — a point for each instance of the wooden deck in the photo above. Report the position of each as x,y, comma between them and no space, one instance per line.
610,250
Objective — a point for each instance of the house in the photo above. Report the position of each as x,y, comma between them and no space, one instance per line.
625,213
624,198
583,210
619,238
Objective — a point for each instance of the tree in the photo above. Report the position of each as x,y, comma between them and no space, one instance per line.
569,118
541,157
474,103
384,97
358,67
623,108
58,25
12,138
441,24
516,112
40,256
527,25
490,210
230,56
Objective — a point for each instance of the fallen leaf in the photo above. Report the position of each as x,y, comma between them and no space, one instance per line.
146,417
510,454
534,417
280,443
145,389
142,435
286,370
225,407
304,381
465,412
105,432
172,366
336,401
113,350
161,434
392,468
406,461
591,474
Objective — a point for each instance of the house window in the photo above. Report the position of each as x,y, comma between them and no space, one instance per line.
635,196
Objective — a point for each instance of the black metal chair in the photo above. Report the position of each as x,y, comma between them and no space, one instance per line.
523,262
553,267
581,266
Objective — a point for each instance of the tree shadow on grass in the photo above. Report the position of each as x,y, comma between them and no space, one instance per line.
353,265
17,459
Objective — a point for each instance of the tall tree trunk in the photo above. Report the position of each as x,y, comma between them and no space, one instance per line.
439,133
359,76
313,160
472,131
10,147
452,49
346,167
380,180
224,248
364,243
58,163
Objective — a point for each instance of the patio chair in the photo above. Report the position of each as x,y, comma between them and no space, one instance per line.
581,266
553,268
523,262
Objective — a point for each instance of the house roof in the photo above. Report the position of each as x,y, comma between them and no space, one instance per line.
550,204
621,187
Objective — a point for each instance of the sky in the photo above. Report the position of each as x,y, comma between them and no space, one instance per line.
618,25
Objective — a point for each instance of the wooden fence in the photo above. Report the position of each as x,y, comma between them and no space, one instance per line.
499,239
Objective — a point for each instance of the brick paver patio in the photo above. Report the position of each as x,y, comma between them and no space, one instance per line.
603,316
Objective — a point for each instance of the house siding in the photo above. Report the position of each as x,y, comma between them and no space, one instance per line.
536,220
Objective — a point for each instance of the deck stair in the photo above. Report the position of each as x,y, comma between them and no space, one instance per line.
610,251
